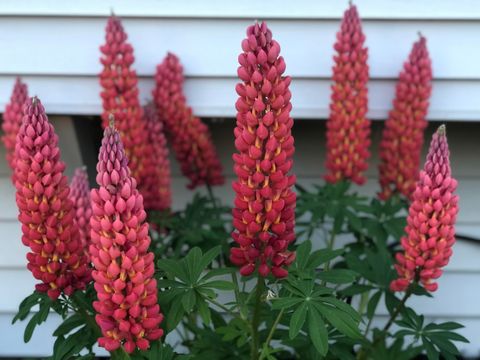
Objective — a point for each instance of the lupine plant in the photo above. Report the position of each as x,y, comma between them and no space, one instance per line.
266,279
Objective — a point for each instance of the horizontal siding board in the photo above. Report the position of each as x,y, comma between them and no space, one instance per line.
467,190
21,283
250,9
207,48
215,97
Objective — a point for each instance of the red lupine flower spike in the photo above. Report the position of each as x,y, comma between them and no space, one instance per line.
12,120
156,191
46,212
402,138
189,136
430,231
120,97
348,129
264,209
80,196
128,313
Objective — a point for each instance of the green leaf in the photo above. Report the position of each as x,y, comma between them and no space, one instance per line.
342,306
284,303
209,256
174,268
69,324
27,335
373,303
219,284
443,344
297,320
188,300
432,353
191,263
203,310
448,325
174,315
356,289
340,320
317,332
338,276
322,256
303,251
26,305
215,273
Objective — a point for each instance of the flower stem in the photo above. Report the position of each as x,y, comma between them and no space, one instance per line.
398,309
272,331
330,245
256,316
212,197
363,354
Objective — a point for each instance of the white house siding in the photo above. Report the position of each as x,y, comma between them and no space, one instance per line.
53,45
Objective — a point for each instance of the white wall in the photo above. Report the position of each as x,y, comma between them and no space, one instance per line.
53,44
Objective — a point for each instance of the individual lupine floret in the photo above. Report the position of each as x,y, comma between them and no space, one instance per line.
128,313
120,96
402,139
46,212
348,129
430,230
264,208
189,136
12,120
156,190
80,196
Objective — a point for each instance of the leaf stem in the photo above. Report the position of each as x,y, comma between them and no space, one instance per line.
272,331
221,306
256,316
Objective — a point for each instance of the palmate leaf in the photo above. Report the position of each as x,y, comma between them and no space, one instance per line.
317,331
338,276
436,338
297,320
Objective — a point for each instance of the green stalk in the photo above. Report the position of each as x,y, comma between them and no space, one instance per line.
363,354
272,331
256,317
330,245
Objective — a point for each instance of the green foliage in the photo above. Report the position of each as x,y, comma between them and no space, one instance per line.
437,339
324,309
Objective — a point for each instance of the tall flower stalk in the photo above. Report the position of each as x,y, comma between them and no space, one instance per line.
430,230
128,313
12,120
348,129
157,190
120,97
80,196
402,139
46,211
263,214
189,136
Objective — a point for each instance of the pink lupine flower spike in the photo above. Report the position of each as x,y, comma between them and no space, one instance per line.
348,129
12,120
128,313
46,211
80,196
263,214
189,135
430,230
402,138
